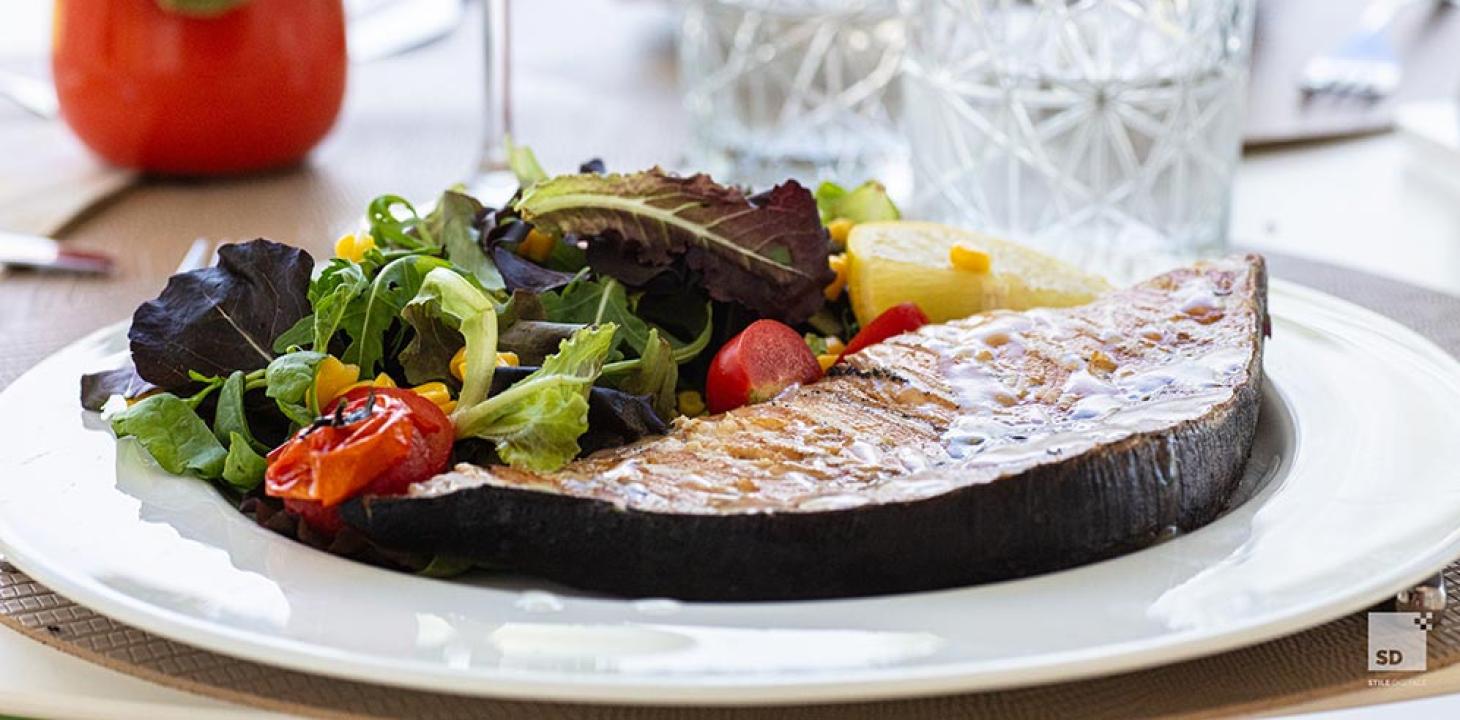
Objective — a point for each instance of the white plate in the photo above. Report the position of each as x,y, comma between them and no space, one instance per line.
1355,496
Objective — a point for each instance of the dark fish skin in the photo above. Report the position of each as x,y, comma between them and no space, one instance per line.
897,502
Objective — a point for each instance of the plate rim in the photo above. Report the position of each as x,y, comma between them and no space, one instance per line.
849,685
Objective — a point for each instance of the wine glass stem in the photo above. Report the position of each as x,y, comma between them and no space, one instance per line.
498,87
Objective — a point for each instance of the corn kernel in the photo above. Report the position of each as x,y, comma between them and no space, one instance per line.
839,229
438,394
838,265
828,360
331,379
458,364
966,258
834,345
353,247
507,359
537,246
691,403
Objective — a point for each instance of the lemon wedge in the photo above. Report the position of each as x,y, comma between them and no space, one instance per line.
952,273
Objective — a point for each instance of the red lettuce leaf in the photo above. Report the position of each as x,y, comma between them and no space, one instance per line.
769,256
220,319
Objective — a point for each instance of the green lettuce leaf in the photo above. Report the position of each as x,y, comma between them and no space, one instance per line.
523,163
447,295
536,422
867,202
172,433
770,256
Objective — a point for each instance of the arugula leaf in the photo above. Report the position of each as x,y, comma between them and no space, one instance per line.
229,420
536,422
173,434
590,302
290,381
656,376
454,223
391,231
331,294
867,202
219,319
242,467
370,314
770,257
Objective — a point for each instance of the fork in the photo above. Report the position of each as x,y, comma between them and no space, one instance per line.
1364,65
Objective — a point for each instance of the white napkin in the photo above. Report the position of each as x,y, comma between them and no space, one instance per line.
47,178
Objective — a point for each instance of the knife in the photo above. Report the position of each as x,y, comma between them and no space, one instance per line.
43,253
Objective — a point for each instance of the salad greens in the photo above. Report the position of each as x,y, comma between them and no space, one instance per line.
770,257
610,291
867,202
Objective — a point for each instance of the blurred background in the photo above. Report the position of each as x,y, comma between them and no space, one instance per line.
1122,135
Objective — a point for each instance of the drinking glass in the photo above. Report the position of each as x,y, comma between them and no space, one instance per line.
494,181
800,88
1103,131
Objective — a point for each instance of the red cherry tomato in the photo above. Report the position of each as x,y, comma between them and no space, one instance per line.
379,442
893,321
756,365
252,88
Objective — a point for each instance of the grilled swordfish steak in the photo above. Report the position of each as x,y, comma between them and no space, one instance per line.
998,446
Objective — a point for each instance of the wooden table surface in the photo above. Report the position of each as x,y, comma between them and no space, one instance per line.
604,86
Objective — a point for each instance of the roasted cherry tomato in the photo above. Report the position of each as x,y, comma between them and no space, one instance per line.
249,88
893,321
764,359
376,441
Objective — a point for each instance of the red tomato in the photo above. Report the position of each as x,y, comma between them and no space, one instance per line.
253,88
756,365
893,321
385,439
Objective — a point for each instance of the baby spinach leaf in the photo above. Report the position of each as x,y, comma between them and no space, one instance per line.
219,319
242,467
174,435
290,378
770,257
230,419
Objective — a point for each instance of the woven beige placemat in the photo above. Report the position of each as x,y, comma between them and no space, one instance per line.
1321,662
